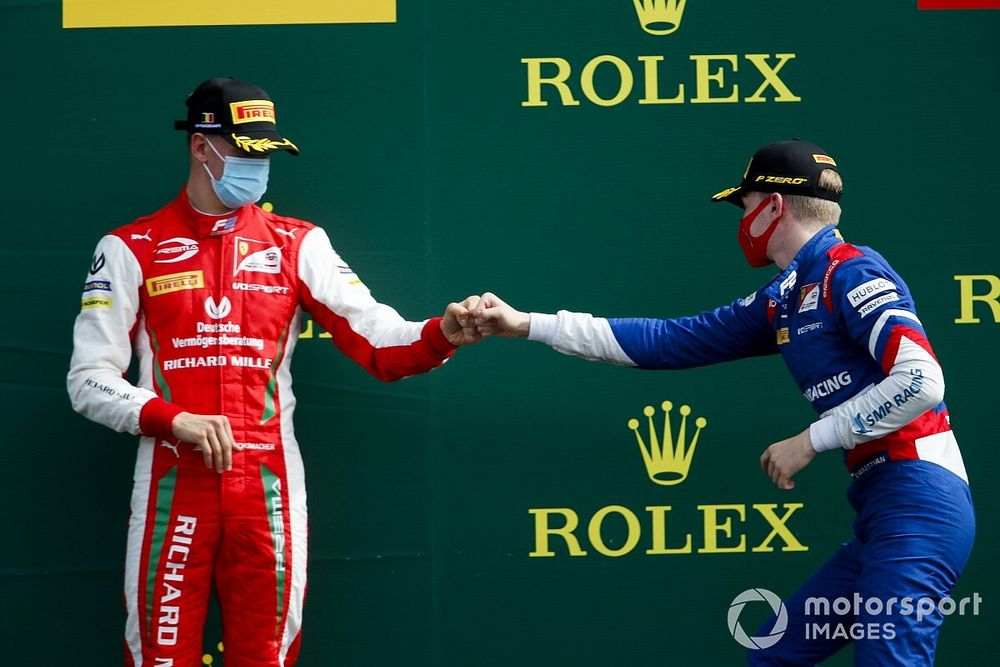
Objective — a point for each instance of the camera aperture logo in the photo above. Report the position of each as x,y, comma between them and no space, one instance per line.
780,621
847,618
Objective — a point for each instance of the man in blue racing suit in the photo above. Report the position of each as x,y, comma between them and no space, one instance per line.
846,326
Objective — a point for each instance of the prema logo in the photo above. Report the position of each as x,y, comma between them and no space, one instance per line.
174,250
218,310
780,621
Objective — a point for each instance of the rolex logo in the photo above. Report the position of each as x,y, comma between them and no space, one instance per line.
667,459
659,17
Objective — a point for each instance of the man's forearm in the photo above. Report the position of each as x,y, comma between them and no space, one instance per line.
580,335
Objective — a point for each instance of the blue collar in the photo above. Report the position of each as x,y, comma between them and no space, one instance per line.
782,284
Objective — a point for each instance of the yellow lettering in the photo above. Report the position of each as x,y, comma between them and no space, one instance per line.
543,531
653,84
597,540
771,78
713,528
536,80
625,84
991,298
778,527
307,331
659,514
704,78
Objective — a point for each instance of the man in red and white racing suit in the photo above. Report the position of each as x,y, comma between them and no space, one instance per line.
212,305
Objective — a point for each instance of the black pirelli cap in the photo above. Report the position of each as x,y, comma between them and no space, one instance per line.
238,111
789,167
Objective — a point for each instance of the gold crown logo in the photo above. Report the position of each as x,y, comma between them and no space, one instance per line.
667,460
659,17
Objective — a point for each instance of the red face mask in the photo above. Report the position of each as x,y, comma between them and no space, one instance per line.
755,247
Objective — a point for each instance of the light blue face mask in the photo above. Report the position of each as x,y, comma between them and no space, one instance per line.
244,179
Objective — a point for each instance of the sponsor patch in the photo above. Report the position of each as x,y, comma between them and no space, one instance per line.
352,279
183,363
787,180
266,289
256,257
823,159
828,386
747,300
97,264
175,282
96,302
97,286
808,297
788,283
218,310
107,389
252,111
264,446
814,326
174,250
223,226
865,291
874,305
783,336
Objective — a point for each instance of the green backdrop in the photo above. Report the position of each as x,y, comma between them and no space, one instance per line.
428,156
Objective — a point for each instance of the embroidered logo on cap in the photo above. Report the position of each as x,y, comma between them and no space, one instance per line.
253,111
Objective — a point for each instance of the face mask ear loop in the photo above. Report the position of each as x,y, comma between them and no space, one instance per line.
205,164
214,150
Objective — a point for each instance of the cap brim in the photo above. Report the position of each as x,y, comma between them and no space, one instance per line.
260,142
732,195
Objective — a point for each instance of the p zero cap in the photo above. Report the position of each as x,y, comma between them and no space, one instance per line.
789,167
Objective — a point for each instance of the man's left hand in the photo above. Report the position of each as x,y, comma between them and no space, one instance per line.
458,324
785,458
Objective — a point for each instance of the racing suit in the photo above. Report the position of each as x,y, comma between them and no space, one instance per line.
846,326
212,307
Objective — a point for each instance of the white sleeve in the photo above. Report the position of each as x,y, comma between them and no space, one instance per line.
579,335
101,340
914,385
373,334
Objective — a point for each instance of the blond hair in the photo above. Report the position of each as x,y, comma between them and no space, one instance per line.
816,212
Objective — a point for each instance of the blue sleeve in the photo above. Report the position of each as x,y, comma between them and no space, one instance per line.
876,307
741,329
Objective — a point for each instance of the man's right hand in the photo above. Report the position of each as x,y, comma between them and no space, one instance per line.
210,433
496,318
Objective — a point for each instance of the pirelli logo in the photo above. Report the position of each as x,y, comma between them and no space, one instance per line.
253,111
175,282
